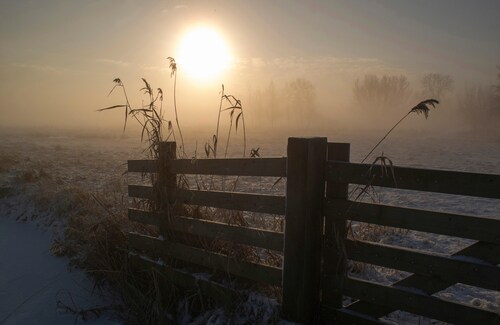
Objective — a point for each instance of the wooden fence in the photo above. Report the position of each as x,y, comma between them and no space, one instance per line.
315,245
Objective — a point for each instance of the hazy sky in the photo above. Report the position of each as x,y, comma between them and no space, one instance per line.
58,57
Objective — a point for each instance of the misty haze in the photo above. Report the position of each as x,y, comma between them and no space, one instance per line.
264,162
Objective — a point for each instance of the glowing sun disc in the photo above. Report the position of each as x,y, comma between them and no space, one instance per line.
203,54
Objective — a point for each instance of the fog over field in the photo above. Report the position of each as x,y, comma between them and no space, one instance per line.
87,85
293,65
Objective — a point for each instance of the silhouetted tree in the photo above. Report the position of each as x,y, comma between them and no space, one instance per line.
265,104
497,86
300,96
496,90
478,105
436,85
254,101
271,102
373,92
280,105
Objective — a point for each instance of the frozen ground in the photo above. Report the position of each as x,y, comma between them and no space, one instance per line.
33,281
37,287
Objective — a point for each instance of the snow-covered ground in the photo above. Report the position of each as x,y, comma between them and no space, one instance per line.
38,288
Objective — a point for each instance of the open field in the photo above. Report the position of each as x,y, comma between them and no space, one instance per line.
48,179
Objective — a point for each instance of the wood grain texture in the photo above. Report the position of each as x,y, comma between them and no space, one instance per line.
429,180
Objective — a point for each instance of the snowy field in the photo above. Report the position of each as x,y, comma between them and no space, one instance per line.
39,288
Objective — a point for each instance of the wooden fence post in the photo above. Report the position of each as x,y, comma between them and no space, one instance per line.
167,183
305,191
334,262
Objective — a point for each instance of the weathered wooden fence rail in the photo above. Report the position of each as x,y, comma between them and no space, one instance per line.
315,244
170,245
476,265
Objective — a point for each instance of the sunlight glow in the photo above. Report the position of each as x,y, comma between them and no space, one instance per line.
203,54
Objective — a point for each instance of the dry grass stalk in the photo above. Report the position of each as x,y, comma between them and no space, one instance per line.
370,232
173,73
420,108
151,119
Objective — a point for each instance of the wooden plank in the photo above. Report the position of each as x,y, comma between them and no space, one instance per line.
489,253
167,182
248,270
141,192
145,217
330,315
440,181
303,228
273,167
165,188
216,230
432,265
334,260
458,225
262,203
233,201
222,294
417,302
242,235
142,166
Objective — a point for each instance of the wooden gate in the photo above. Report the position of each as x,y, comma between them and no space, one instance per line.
316,246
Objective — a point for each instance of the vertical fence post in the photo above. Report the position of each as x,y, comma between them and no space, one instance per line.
167,183
334,262
305,190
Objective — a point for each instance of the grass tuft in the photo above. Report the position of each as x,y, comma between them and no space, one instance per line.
420,108
103,249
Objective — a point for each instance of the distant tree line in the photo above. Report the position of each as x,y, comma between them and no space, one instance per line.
381,93
436,85
292,104
480,105
388,92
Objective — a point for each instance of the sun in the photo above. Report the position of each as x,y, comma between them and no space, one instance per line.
203,54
